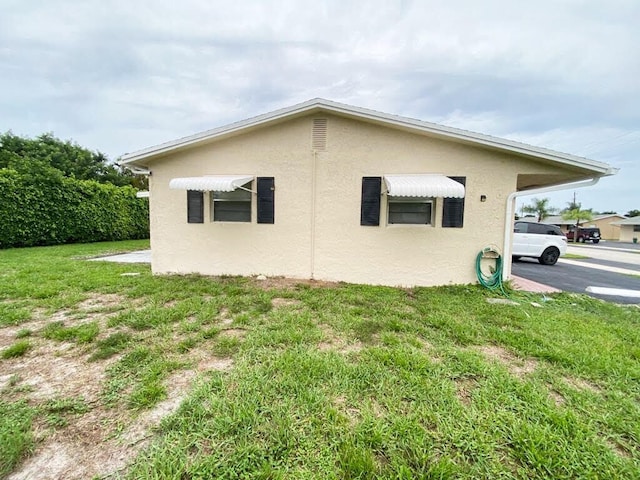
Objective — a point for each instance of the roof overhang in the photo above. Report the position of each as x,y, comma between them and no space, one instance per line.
318,105
210,183
423,185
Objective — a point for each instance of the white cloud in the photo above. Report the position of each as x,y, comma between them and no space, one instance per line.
120,75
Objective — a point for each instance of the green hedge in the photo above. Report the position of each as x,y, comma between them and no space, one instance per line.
53,209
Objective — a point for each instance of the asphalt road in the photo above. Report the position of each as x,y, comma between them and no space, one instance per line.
576,278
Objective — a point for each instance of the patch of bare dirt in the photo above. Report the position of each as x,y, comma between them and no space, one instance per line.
102,440
283,283
334,342
557,397
618,449
352,413
233,333
464,388
224,316
96,307
582,385
102,301
206,362
97,444
284,302
51,369
517,367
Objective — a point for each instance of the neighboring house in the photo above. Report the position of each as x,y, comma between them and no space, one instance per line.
629,229
608,224
330,191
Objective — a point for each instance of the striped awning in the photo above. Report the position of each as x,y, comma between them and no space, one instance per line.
423,185
210,183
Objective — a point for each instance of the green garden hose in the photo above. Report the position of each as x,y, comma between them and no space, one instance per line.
493,281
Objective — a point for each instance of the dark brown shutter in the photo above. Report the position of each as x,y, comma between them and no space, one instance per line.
453,208
370,206
266,200
195,206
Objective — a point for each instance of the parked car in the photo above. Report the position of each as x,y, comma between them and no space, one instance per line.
585,234
545,242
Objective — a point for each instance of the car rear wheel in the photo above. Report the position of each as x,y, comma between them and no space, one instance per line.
549,256
580,239
596,241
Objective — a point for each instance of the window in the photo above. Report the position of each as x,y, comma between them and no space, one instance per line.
232,206
521,227
410,210
636,228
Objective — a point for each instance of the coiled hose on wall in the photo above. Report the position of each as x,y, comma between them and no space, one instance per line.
493,281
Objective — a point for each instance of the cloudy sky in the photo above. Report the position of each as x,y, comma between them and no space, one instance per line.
118,76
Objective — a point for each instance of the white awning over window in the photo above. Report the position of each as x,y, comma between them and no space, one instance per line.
423,185
210,183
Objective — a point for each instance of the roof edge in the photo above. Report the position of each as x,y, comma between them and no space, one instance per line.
499,143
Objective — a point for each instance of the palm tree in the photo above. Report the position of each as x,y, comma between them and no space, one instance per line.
540,207
575,212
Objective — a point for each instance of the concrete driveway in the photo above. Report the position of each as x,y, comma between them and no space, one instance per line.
141,256
609,272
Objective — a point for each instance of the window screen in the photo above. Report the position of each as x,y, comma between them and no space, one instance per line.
232,206
409,210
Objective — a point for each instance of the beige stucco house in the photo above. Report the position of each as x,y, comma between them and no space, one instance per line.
329,191
629,229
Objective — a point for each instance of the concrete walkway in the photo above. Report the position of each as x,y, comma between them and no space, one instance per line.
141,256
526,285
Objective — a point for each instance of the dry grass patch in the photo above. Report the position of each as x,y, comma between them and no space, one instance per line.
464,389
103,440
284,283
284,302
581,384
233,333
205,361
53,369
557,397
352,414
334,342
516,366
102,301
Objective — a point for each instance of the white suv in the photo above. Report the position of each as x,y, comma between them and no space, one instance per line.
538,240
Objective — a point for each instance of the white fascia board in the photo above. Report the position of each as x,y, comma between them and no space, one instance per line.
382,118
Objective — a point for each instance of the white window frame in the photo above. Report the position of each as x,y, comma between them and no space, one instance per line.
241,194
431,201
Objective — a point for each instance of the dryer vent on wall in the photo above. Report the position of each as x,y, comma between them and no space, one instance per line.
319,135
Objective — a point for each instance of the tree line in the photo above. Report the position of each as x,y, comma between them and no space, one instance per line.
54,191
48,154
573,211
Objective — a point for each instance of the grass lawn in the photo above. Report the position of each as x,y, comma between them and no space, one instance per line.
107,371
575,256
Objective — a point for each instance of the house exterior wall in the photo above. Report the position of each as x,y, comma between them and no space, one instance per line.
627,233
317,231
607,231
